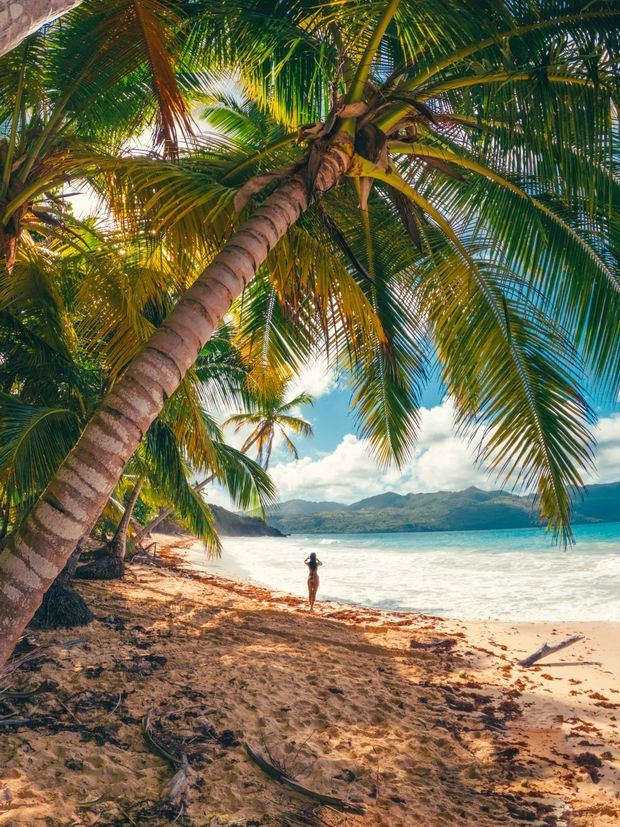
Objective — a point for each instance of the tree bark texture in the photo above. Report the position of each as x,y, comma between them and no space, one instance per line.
118,545
19,18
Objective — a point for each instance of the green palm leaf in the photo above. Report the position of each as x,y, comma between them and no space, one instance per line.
169,473
34,440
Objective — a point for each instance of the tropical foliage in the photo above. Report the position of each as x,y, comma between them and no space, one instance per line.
72,315
479,228
402,186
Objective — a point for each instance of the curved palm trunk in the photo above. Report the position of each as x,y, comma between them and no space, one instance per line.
19,18
111,565
150,527
118,546
38,551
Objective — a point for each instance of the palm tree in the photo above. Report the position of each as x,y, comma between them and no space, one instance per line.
220,376
262,392
56,359
491,138
268,415
73,94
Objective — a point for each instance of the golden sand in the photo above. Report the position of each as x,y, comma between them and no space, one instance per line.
340,700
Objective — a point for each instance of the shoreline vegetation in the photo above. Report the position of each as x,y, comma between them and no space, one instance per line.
403,717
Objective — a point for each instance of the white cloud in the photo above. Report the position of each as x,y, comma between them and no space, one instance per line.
607,435
442,460
346,474
315,378
85,201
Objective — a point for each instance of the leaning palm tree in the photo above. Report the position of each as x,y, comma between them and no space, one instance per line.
57,355
270,415
219,378
490,139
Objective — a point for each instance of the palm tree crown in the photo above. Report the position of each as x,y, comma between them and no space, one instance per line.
270,415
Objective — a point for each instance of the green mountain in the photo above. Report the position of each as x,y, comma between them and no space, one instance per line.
307,507
471,509
229,524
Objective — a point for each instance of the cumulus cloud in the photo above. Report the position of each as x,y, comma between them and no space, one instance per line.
346,474
442,460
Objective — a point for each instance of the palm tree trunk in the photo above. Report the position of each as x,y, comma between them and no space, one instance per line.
150,527
118,546
268,451
62,606
111,565
39,549
19,18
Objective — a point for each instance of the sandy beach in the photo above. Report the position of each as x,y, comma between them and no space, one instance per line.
405,718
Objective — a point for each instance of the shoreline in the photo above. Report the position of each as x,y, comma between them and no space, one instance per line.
419,720
229,568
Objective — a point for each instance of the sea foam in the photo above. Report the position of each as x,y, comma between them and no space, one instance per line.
496,575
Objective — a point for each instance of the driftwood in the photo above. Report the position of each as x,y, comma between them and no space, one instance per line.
21,696
179,784
155,744
279,775
11,722
437,645
545,650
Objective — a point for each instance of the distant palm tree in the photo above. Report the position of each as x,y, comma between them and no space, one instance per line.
443,185
268,416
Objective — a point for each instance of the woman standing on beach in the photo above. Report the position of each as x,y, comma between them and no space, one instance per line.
313,563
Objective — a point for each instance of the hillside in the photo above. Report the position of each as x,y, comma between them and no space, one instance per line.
471,509
307,507
229,524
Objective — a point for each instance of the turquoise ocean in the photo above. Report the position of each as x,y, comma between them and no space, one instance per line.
496,575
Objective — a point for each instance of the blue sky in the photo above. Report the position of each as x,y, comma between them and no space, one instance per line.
331,417
335,465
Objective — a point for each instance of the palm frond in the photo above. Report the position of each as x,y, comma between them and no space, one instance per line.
247,484
34,440
169,473
513,371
